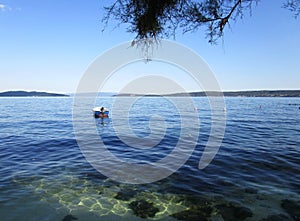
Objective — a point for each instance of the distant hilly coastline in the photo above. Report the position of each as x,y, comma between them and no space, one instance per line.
262,93
30,94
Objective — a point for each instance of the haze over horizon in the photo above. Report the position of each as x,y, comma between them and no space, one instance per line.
49,50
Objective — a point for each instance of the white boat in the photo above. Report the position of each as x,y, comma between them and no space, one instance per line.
101,112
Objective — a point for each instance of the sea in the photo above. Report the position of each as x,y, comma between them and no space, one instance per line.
46,176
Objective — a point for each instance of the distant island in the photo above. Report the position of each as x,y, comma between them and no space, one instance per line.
262,93
30,94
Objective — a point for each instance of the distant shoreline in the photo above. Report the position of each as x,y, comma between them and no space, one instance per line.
30,94
254,93
257,93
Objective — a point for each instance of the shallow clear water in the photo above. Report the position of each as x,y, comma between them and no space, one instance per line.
44,175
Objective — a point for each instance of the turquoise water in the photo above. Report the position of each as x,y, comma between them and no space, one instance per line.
44,175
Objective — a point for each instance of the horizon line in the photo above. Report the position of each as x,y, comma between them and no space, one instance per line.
181,92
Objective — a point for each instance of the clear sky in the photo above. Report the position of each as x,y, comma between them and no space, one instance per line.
47,45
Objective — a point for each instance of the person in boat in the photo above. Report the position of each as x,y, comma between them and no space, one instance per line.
102,112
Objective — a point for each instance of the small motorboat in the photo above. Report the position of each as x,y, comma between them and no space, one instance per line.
100,112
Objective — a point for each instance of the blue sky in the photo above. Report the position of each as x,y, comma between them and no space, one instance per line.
47,45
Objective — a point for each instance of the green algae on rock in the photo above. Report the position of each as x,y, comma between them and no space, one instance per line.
143,209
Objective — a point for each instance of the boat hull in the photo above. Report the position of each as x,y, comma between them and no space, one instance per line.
99,114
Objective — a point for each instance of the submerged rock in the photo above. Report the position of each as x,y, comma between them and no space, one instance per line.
199,209
198,201
143,209
69,218
277,217
125,195
292,208
232,212
191,215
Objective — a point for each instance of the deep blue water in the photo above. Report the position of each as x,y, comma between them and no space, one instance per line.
44,175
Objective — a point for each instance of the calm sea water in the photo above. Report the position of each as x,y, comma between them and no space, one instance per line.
44,176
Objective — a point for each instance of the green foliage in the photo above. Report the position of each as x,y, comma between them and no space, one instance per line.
162,18
293,6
